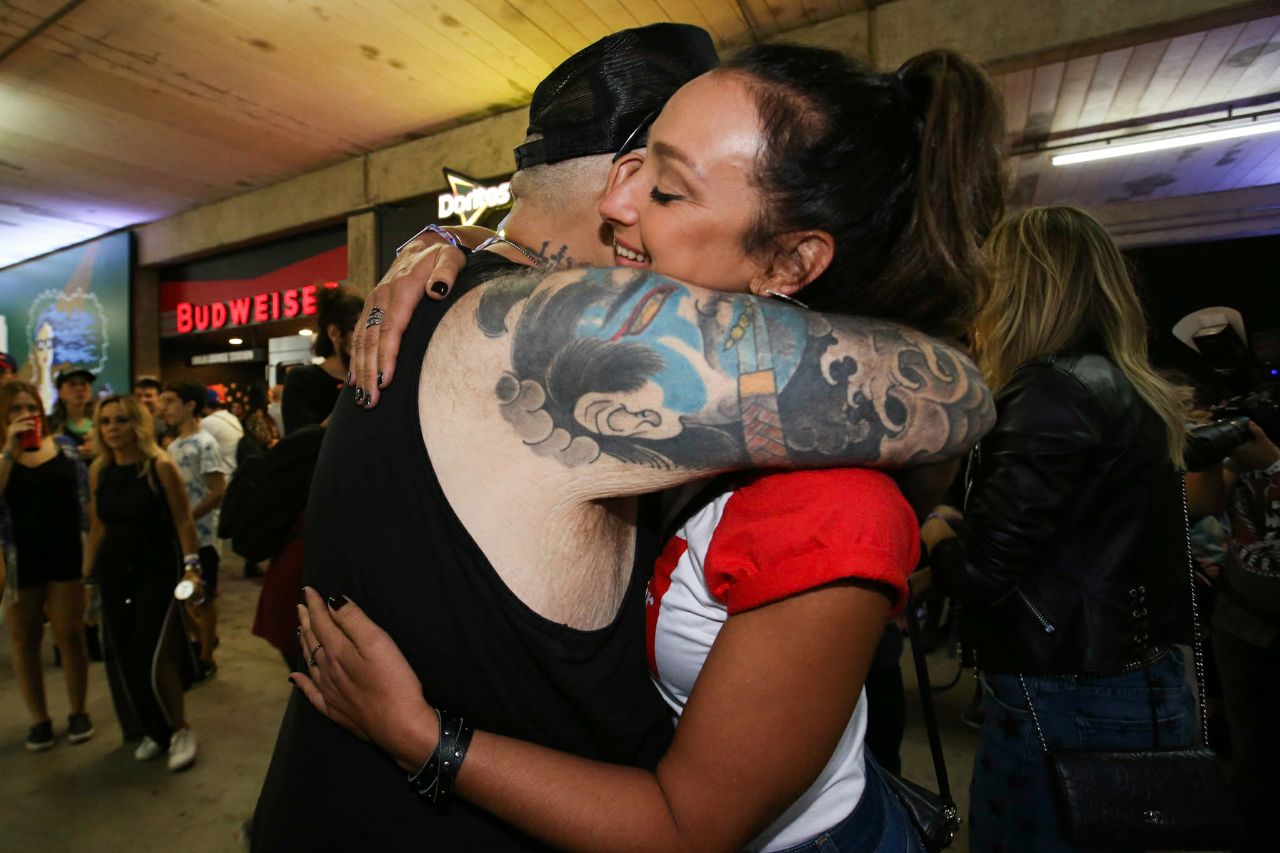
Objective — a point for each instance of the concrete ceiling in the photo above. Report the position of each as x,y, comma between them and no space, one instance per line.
124,111
119,112
1218,78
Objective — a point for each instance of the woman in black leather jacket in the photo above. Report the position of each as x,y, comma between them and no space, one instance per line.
1071,554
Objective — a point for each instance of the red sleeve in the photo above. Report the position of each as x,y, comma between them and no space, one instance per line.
783,534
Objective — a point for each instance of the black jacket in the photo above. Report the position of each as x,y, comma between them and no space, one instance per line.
1072,557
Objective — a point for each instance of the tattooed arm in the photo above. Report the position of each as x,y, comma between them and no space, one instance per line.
424,266
640,368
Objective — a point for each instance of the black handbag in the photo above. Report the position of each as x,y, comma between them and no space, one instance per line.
1156,799
934,816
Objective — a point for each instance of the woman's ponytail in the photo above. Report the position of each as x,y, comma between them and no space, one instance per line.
960,184
905,171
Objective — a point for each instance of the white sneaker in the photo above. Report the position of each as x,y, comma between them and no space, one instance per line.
182,749
146,750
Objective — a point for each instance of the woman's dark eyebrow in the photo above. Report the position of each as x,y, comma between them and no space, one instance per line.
663,149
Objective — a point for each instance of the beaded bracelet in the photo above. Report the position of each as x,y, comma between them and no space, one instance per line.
439,232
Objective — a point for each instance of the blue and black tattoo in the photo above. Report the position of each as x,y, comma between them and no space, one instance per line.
644,369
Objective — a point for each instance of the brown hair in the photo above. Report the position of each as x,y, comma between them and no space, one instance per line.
335,306
12,389
905,170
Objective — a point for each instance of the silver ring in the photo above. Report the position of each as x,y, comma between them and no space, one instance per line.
375,317
311,661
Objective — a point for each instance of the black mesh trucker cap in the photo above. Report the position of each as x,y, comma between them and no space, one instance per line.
591,102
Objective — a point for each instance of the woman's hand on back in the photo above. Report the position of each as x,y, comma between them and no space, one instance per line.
425,266
361,681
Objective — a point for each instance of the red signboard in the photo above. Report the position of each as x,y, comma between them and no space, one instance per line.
190,307
259,308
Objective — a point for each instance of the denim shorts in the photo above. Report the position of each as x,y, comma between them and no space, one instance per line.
1011,796
877,824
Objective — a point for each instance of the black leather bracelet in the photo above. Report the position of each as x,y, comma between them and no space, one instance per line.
425,780
435,779
455,737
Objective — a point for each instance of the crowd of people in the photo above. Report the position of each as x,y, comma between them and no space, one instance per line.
109,503
603,556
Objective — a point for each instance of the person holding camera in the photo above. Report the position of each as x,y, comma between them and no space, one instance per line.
1070,557
139,516
1246,616
43,484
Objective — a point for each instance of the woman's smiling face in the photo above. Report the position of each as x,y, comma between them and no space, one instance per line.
685,209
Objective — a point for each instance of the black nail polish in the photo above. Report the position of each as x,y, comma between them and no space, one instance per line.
359,395
290,679
337,604
348,377
440,288
379,378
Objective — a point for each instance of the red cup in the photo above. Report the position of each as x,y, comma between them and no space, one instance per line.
31,438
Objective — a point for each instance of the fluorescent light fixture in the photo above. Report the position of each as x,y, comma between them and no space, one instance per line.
306,333
1164,144
235,342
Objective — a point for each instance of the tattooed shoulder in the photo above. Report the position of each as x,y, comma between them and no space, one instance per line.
646,370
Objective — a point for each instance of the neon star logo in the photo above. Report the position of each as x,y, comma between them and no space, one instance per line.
469,199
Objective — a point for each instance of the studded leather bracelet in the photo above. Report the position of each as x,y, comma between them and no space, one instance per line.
435,779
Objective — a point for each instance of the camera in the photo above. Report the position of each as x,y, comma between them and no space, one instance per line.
1256,406
1218,335
1208,444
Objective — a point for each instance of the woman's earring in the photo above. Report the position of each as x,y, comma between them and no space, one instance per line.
791,299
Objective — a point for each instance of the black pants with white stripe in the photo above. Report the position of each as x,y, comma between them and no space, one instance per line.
144,624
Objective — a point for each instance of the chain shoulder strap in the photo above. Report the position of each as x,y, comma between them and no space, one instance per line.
1197,646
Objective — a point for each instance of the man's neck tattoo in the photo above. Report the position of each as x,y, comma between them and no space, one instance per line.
558,261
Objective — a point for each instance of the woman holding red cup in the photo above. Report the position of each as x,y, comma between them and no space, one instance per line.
43,483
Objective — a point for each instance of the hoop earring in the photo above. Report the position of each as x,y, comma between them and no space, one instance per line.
782,296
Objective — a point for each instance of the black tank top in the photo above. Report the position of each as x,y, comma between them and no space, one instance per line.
44,505
380,530
138,528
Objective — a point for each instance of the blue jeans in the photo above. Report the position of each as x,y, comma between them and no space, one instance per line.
1011,796
877,824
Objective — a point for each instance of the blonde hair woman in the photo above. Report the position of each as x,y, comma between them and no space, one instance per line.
139,515
1071,555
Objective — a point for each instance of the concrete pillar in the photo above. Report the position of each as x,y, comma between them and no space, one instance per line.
144,322
362,252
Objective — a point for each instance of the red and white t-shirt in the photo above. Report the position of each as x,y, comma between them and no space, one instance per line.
775,536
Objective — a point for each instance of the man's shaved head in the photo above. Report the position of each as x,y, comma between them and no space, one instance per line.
573,185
